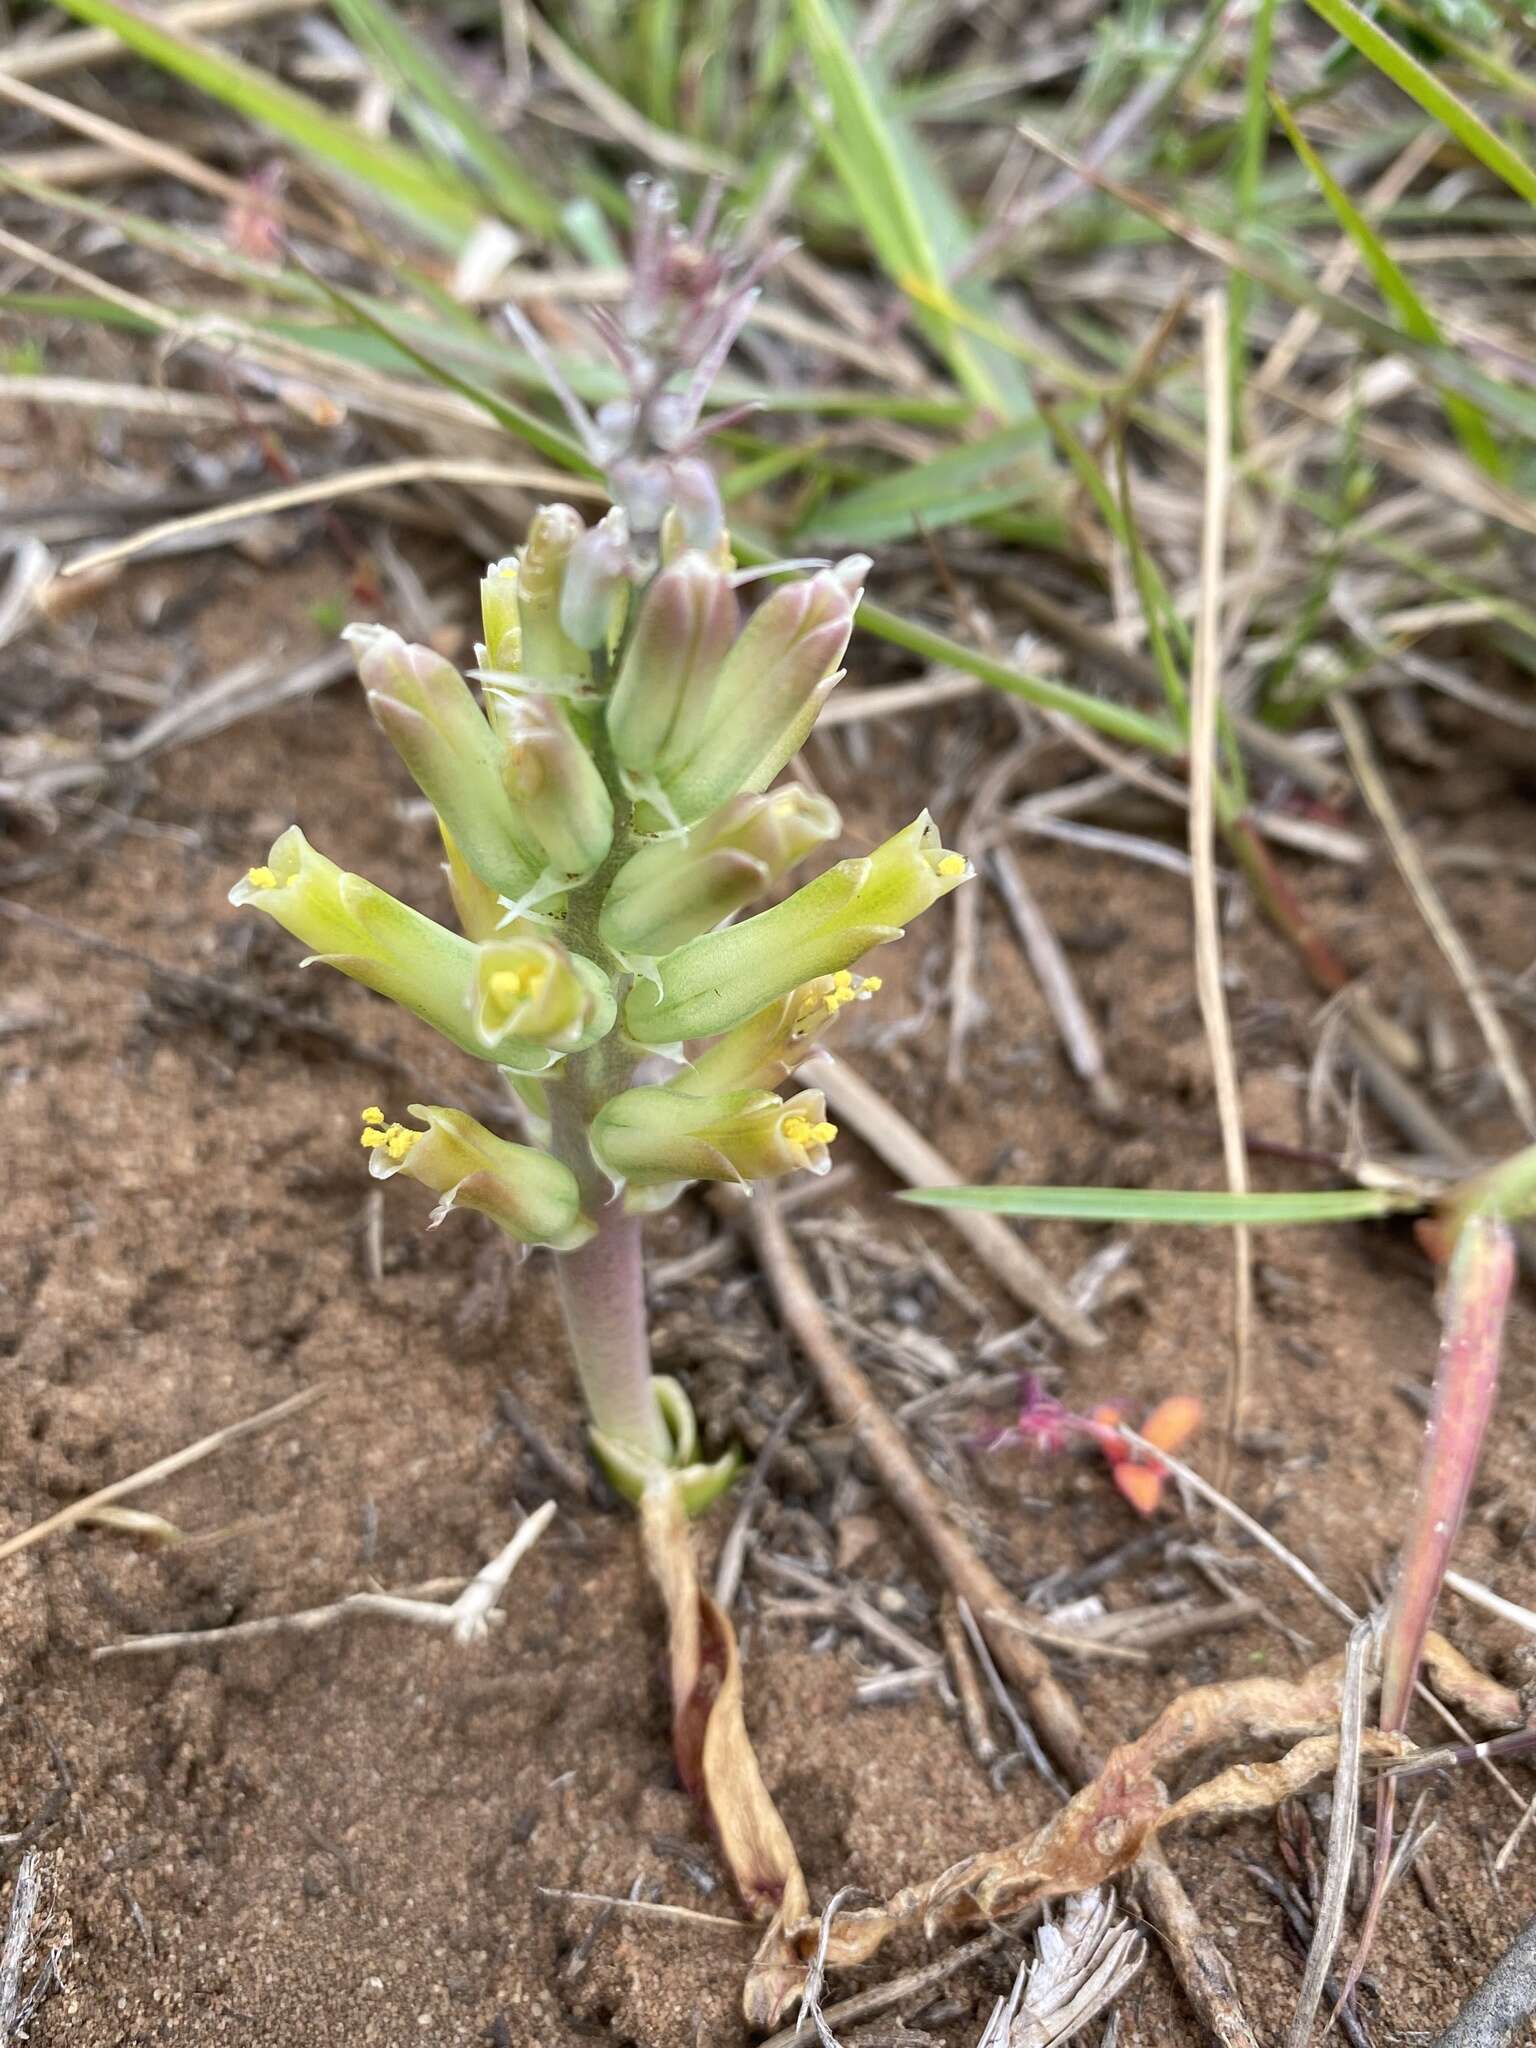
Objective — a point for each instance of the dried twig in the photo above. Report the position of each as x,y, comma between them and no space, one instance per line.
1344,1817
26,1926
1079,1035
1505,1998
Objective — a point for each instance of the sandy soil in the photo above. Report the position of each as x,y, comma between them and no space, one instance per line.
346,1838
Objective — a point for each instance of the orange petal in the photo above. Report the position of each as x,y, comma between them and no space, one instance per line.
1142,1486
1172,1421
1104,1421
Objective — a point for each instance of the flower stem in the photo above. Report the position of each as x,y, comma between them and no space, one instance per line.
602,1296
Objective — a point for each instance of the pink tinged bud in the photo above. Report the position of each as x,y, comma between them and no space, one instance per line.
546,652
656,1137
530,992
716,981
766,1049
596,583
429,715
686,624
673,890
767,695
557,792
530,1196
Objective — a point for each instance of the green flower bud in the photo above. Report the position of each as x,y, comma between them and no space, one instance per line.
682,634
526,1193
372,937
715,981
529,988
671,891
769,691
429,714
765,1050
556,788
546,653
502,646
655,1137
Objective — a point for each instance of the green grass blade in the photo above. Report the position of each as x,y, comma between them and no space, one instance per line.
990,475
1253,140
1437,100
874,159
442,207
1468,424
1170,1205
406,62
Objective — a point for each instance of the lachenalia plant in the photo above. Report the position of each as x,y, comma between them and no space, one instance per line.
610,809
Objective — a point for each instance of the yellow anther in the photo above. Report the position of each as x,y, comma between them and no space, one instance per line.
375,1115
843,978
823,1133
261,878
372,1140
512,985
398,1140
872,985
952,864
797,1129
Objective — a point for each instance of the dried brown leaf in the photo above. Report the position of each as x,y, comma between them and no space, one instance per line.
716,1761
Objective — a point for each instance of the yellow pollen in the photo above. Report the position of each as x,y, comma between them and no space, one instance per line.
372,1140
872,985
375,1115
823,1133
398,1140
843,978
261,878
952,864
797,1129
511,985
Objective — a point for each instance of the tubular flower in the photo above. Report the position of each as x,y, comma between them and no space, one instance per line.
362,932
715,981
766,1049
768,693
674,889
526,1193
555,785
529,988
356,928
655,1137
684,630
429,714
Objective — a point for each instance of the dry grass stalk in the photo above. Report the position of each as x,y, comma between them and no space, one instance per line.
1205,702
857,1103
1076,1029
163,1468
77,47
1432,909
1344,1819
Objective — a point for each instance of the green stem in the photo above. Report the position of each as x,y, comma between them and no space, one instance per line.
602,1297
